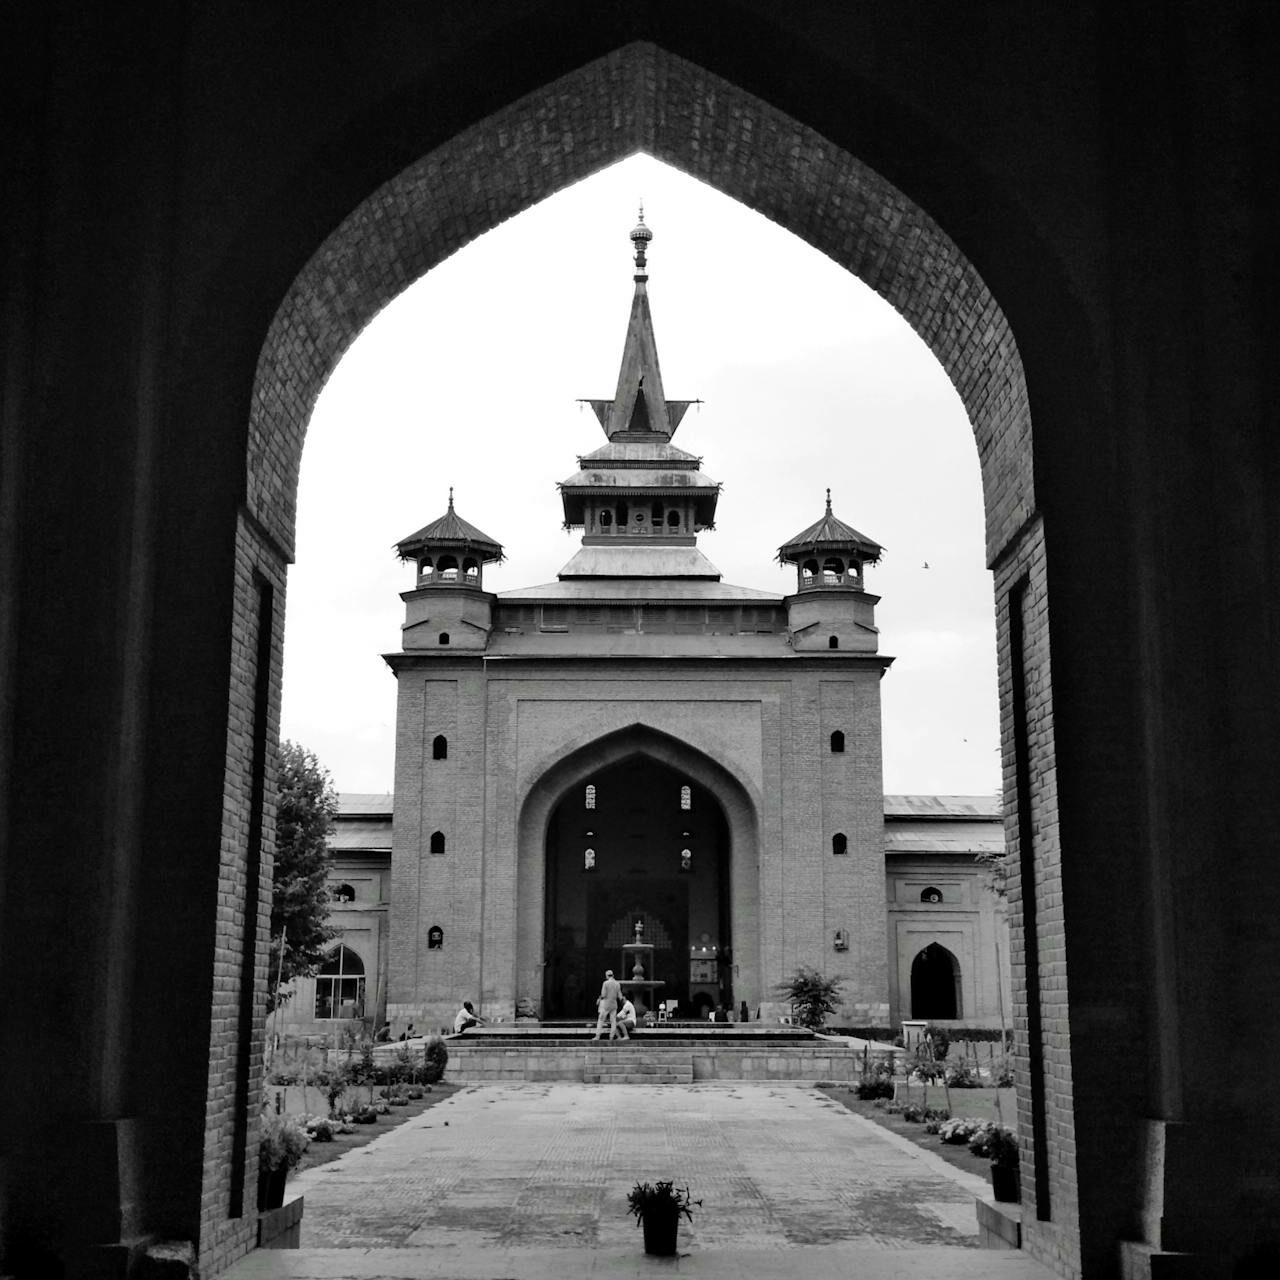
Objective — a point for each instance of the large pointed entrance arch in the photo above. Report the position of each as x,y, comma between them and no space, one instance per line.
728,834
643,98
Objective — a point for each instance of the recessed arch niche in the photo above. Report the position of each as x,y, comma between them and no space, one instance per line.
732,813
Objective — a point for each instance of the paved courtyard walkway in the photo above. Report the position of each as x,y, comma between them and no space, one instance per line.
530,1181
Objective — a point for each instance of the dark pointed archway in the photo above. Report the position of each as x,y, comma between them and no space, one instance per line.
637,844
935,984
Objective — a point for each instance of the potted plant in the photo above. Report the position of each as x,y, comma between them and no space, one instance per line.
280,1146
658,1208
1002,1146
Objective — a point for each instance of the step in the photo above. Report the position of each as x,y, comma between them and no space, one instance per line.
644,1064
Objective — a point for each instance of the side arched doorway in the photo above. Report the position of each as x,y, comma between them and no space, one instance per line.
637,843
935,984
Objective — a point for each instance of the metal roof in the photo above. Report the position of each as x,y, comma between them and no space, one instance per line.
916,806
353,803
675,590
450,530
630,560
830,534
624,453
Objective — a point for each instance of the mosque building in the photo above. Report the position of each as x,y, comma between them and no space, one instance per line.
639,744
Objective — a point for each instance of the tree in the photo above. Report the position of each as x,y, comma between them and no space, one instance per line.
812,996
305,812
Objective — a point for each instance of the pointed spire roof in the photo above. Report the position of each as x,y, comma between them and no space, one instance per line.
639,409
831,534
450,531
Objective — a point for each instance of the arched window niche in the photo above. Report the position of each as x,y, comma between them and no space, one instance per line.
931,894
340,986
935,984
839,843
837,741
439,747
437,842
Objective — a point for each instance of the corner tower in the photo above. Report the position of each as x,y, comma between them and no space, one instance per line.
831,609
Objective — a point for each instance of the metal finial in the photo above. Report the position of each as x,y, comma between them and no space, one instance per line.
451,498
828,499
640,237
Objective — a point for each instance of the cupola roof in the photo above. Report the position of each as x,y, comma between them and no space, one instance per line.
831,534
450,532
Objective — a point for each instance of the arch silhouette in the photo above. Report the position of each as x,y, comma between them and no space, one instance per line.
935,983
570,773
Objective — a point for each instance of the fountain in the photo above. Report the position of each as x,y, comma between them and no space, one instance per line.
638,982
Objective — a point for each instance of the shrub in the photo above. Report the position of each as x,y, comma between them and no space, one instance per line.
1002,1147
980,1143
812,996
940,1040
1004,1077
958,1131
435,1058
875,1087
913,1112
320,1131
961,1075
282,1141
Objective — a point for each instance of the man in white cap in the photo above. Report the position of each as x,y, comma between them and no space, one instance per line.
607,1006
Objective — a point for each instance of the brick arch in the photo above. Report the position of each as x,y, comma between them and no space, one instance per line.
641,98
573,770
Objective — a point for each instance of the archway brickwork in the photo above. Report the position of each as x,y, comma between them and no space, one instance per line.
642,98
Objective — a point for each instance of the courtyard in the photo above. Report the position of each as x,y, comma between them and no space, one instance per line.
531,1181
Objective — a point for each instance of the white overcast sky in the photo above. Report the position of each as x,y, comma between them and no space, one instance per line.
470,378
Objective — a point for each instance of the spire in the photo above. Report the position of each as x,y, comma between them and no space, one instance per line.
639,410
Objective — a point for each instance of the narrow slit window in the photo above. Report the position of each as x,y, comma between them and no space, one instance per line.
440,747
837,741
686,798
590,801
437,842
839,843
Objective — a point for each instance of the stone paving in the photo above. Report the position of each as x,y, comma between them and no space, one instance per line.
530,1180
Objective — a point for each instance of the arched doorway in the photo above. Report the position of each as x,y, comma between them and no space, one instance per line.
638,843
935,984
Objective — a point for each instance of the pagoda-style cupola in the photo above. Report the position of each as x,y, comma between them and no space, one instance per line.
830,555
449,552
639,501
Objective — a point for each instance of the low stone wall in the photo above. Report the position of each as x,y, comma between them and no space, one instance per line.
808,1063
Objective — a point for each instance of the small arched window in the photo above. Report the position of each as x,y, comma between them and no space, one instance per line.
342,893
837,741
606,519
839,843
931,894
437,842
447,568
424,567
435,938
686,797
340,985
444,637
590,798
832,572
808,572
470,570
439,747
673,519
833,642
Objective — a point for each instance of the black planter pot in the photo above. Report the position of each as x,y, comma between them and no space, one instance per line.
271,1186
1005,1184
660,1231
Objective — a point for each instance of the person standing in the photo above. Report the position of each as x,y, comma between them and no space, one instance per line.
607,1005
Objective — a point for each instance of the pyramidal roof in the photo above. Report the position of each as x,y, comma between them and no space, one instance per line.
639,409
450,530
830,533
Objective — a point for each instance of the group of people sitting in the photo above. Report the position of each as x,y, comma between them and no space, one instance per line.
615,1010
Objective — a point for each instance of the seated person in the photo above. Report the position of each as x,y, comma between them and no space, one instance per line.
466,1017
626,1022
384,1033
